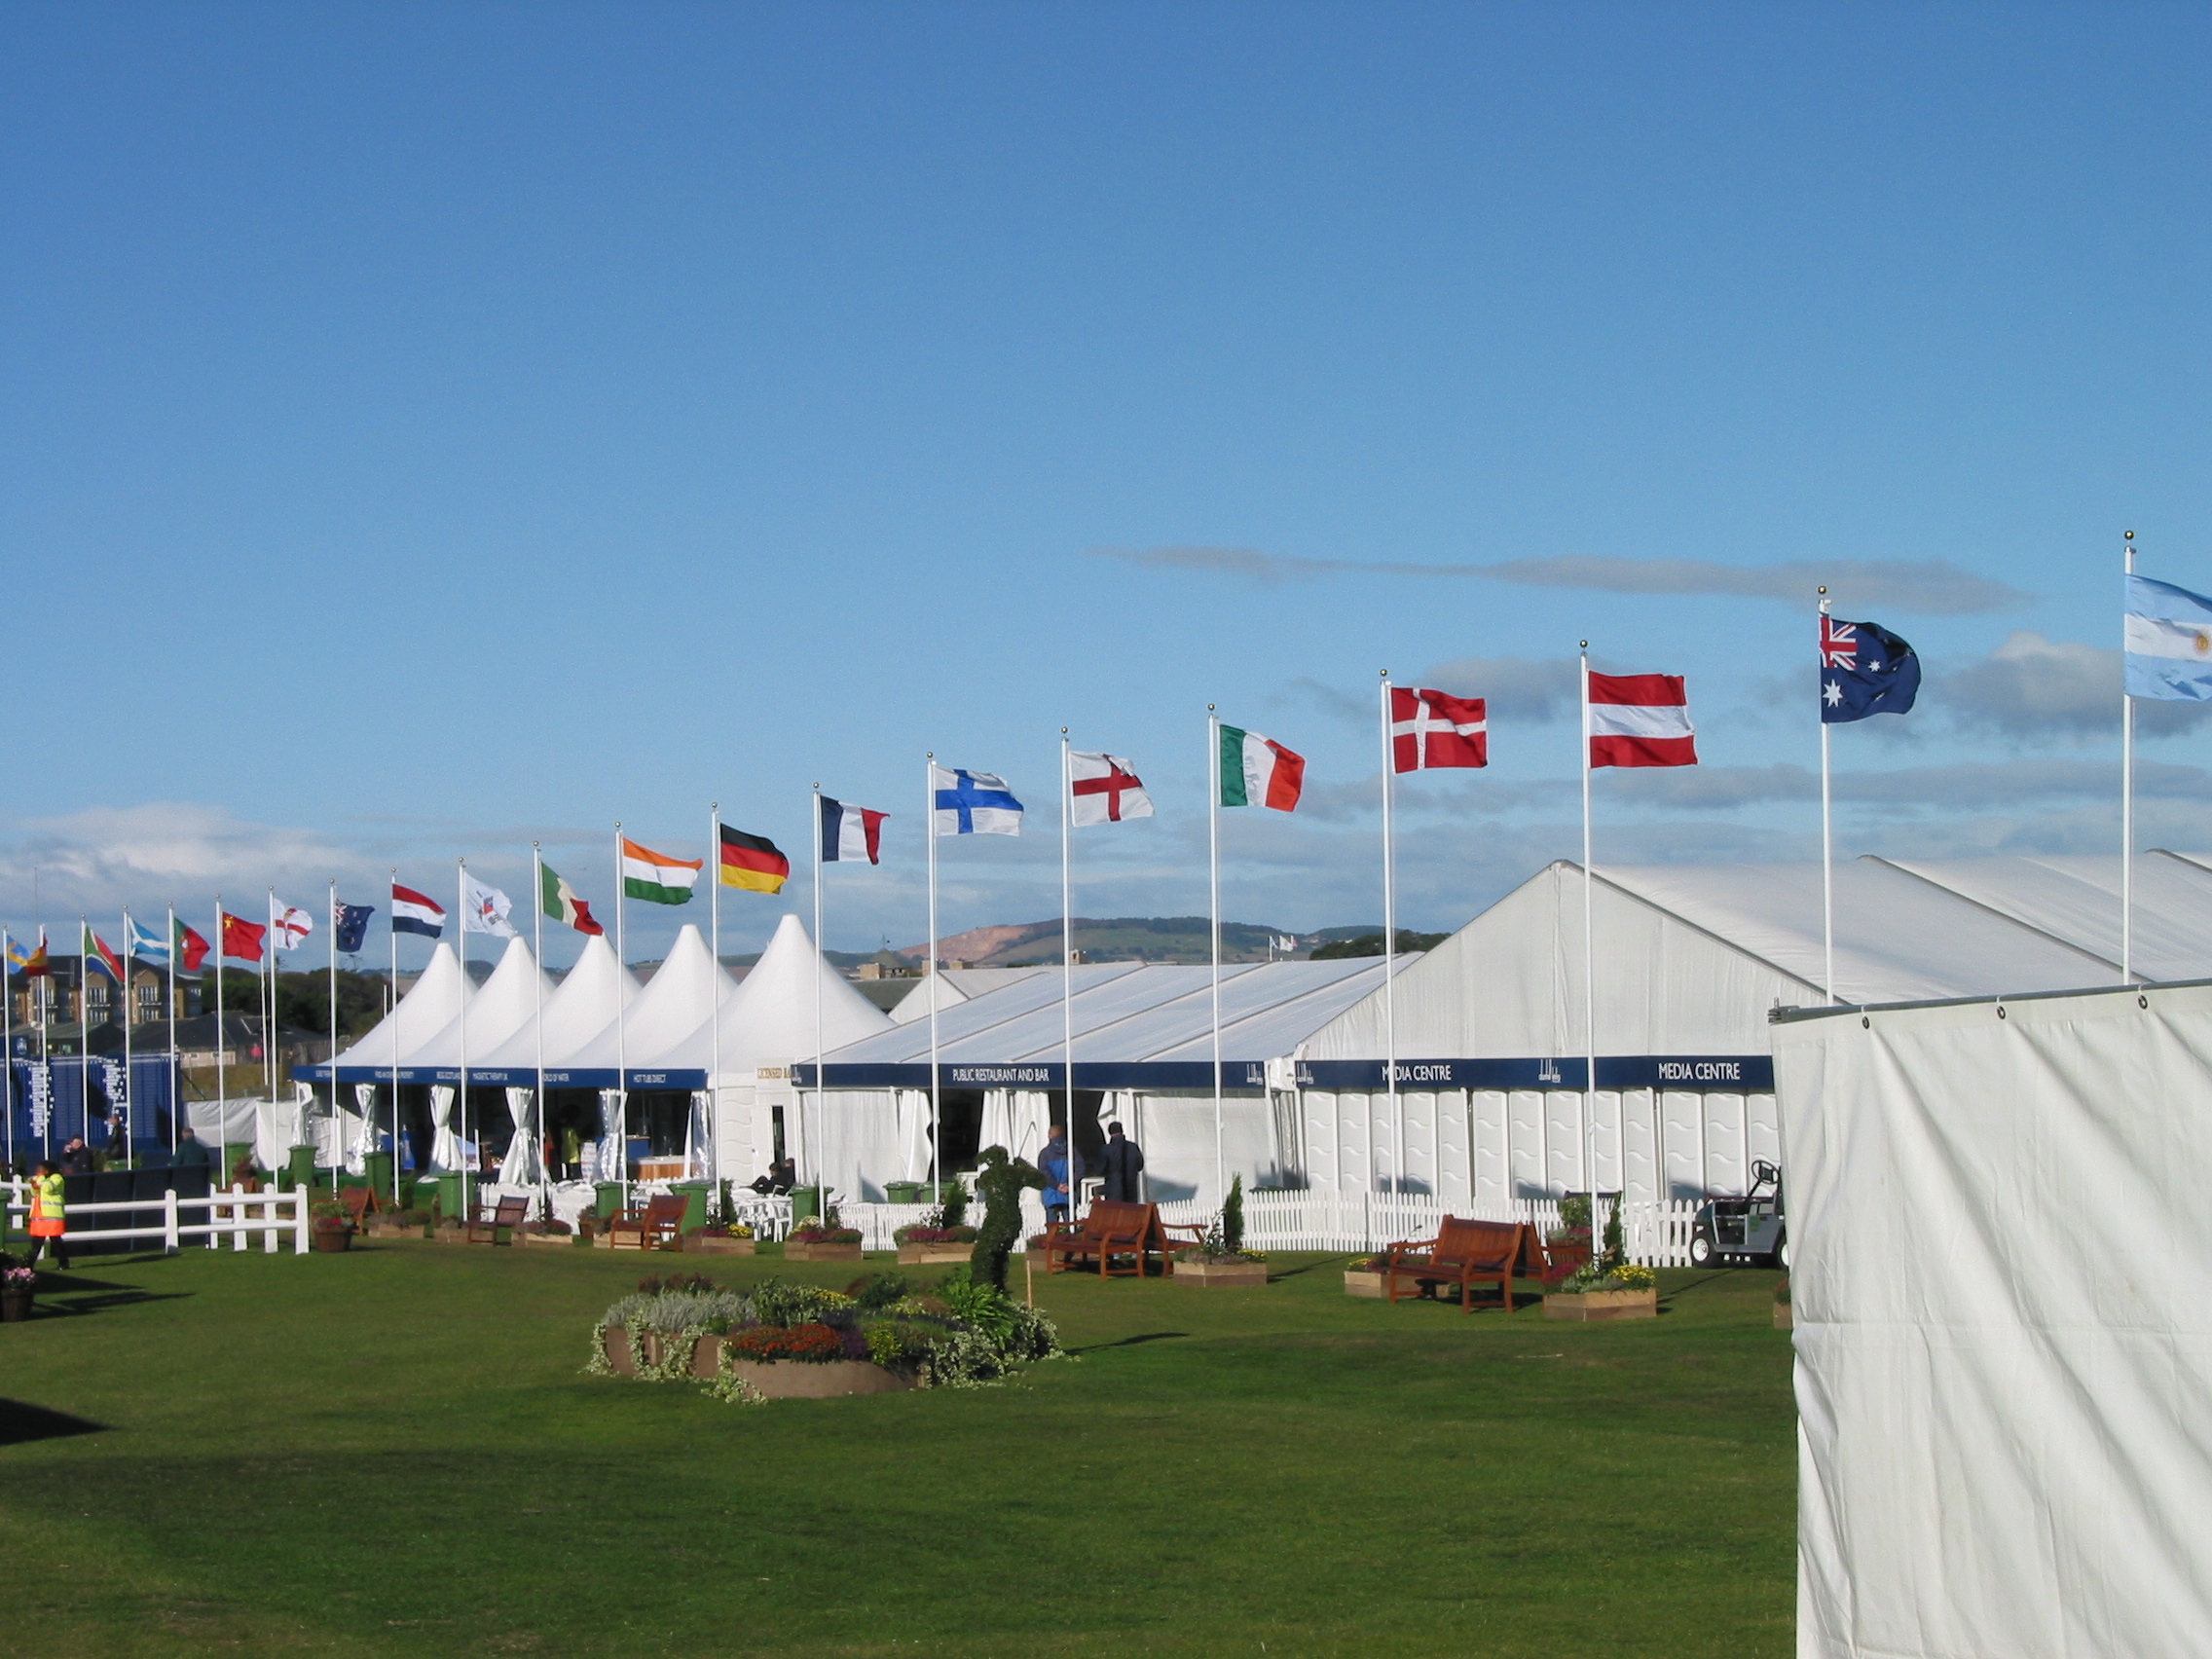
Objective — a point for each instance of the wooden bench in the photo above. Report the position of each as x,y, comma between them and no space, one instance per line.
484,1225
1466,1253
1112,1227
659,1225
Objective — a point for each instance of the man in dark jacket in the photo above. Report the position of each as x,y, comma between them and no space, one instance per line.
1123,1162
76,1157
190,1153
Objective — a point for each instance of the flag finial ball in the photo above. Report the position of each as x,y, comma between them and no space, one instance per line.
1823,588
1585,644
2128,536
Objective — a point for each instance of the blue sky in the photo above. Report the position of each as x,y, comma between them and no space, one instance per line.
423,430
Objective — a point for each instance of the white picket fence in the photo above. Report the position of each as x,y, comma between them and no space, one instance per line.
236,1215
1656,1234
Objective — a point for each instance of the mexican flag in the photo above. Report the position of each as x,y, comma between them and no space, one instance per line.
563,903
655,877
1258,771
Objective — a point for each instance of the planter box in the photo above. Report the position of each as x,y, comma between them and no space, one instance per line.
450,1235
711,1244
1222,1273
1781,1316
821,1253
706,1352
565,1240
923,1255
1604,1304
796,1379
1358,1281
392,1229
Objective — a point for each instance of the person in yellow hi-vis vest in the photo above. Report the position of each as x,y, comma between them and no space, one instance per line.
47,1227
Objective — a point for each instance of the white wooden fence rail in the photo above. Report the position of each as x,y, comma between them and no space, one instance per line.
236,1215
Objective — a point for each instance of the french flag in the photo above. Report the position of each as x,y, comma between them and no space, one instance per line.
851,833
1640,719
415,912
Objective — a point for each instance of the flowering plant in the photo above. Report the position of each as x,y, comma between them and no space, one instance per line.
1591,1277
815,1345
813,1232
924,1234
19,1278
1214,1246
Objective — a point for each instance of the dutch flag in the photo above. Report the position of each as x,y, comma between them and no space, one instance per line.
415,912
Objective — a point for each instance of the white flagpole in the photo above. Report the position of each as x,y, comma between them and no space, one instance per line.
8,1049
1390,961
1213,898
537,1014
1067,968
461,1102
621,1035
222,1082
176,1072
713,996
84,1029
2127,816
339,1151
269,1005
1589,981
398,1124
1828,848
818,1109
130,1084
929,825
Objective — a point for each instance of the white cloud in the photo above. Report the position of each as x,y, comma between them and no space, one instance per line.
2036,689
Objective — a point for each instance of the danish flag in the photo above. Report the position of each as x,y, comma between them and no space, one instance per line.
1428,728
1639,719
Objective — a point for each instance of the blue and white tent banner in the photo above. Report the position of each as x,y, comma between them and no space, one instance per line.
972,803
2168,636
1695,1074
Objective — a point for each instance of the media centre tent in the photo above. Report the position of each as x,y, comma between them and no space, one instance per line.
1490,1030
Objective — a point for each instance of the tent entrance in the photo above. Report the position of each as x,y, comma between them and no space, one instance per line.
659,1117
570,1123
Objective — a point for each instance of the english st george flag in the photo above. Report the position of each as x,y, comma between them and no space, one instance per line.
1258,771
851,832
1428,728
1640,719
752,863
1104,789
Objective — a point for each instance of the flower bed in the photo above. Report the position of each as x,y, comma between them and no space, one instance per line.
765,1345
718,1240
1594,1292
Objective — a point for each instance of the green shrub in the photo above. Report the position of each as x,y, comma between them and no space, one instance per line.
1232,1217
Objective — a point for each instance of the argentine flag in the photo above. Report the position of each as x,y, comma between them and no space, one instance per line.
2169,642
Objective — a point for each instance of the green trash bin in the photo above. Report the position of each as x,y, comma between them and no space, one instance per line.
694,1203
379,1174
903,1192
455,1193
805,1201
608,1199
299,1168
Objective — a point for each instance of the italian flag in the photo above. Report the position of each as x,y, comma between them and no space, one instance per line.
1258,771
563,903
655,877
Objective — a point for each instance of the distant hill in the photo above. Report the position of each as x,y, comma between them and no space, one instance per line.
1120,939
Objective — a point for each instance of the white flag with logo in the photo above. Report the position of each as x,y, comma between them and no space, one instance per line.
484,910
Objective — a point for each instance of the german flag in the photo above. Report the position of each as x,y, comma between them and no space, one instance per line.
752,862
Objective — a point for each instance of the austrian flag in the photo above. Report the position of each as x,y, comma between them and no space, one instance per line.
1639,719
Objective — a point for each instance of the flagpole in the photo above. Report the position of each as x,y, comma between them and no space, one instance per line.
2127,814
8,1045
269,1020
538,1016
84,1029
1390,962
398,1128
222,1077
714,991
929,824
129,1083
1213,898
336,1158
1067,973
1589,980
176,1072
1828,849
461,1103
621,1034
818,964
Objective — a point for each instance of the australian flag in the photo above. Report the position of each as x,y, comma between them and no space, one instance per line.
1865,670
353,924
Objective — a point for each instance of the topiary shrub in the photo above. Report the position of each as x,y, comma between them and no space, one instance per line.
1000,1179
1232,1217
1616,1248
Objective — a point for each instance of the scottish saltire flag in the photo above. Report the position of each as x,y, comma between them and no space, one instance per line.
1105,788
1865,670
148,945
972,803
851,833
2168,636
415,912
353,924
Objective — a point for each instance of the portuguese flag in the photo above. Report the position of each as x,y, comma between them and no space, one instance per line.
752,863
1258,771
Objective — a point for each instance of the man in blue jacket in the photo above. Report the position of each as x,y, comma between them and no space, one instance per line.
1063,1171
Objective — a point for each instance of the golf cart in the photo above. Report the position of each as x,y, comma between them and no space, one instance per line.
1740,1231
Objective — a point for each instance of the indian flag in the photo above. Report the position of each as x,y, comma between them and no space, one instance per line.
1258,771
655,877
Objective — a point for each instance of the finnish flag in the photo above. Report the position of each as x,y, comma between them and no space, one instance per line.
972,803
2170,641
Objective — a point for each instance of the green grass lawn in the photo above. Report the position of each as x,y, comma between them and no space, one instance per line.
393,1451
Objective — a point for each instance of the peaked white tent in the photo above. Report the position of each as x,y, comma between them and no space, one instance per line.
768,1023
495,1009
578,1010
427,1008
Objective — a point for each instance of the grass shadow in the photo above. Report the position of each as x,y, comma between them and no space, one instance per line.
21,1422
1131,1341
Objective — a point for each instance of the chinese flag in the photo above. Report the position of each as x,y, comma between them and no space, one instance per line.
243,938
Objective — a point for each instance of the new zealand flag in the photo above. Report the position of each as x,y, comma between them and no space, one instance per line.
1865,670
353,924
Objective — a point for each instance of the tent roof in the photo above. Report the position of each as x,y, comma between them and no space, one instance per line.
771,1013
576,1010
956,986
429,1007
663,1036
502,1004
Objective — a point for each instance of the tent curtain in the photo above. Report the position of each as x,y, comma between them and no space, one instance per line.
521,1166
915,1133
998,1119
699,1138
445,1144
607,1149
